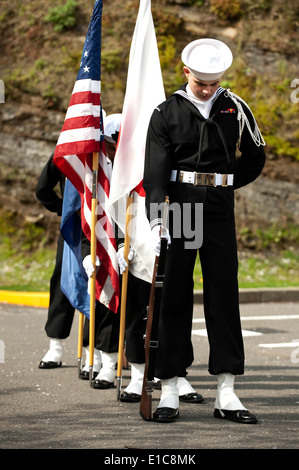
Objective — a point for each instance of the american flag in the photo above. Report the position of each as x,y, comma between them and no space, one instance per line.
81,135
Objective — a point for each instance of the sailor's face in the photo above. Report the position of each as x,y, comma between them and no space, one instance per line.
203,90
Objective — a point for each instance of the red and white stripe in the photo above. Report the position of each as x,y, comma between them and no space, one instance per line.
79,138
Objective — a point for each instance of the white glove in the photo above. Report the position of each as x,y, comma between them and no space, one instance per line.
156,241
121,258
88,266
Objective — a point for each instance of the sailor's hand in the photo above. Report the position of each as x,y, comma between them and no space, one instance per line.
156,240
120,256
88,266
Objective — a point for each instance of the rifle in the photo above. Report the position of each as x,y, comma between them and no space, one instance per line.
151,334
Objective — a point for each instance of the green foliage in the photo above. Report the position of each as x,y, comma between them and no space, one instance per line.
62,16
257,270
271,105
226,9
71,59
166,23
26,272
197,3
25,264
174,81
112,60
257,5
267,258
272,271
278,235
281,146
40,64
27,238
269,238
167,49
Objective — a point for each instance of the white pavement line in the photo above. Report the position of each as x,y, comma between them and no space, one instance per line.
261,317
203,332
272,317
246,333
292,344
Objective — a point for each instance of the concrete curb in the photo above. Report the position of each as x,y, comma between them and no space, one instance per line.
31,299
285,294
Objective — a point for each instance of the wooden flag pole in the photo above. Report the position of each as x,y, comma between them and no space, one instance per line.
123,304
80,342
95,165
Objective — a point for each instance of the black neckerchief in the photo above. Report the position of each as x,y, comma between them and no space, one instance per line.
191,106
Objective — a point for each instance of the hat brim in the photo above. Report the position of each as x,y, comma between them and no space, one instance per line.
206,77
199,70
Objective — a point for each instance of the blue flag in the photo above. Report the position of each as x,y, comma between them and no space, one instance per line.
74,279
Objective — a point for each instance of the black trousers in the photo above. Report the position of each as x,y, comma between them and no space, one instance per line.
218,257
106,329
137,302
60,312
107,323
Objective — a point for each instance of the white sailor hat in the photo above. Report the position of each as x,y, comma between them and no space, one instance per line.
112,127
207,59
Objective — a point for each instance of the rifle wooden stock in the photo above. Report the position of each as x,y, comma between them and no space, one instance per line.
151,334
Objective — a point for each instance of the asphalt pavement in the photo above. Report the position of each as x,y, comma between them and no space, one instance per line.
54,409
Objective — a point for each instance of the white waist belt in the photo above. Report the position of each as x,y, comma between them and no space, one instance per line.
202,179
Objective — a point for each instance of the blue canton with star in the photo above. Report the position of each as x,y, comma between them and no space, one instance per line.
90,66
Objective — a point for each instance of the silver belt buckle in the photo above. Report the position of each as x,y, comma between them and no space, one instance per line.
208,179
197,179
204,179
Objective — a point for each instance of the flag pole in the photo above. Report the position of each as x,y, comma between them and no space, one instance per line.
80,342
95,164
123,302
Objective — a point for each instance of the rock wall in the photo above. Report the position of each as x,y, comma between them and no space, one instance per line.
29,128
28,137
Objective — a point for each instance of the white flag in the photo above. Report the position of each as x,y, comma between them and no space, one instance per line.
144,91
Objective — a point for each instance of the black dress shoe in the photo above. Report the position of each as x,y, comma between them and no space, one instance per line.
49,364
84,375
130,397
102,384
165,415
192,398
238,416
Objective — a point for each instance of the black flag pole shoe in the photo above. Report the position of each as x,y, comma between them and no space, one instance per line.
238,416
49,364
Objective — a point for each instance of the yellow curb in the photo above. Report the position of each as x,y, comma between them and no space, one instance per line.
32,299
